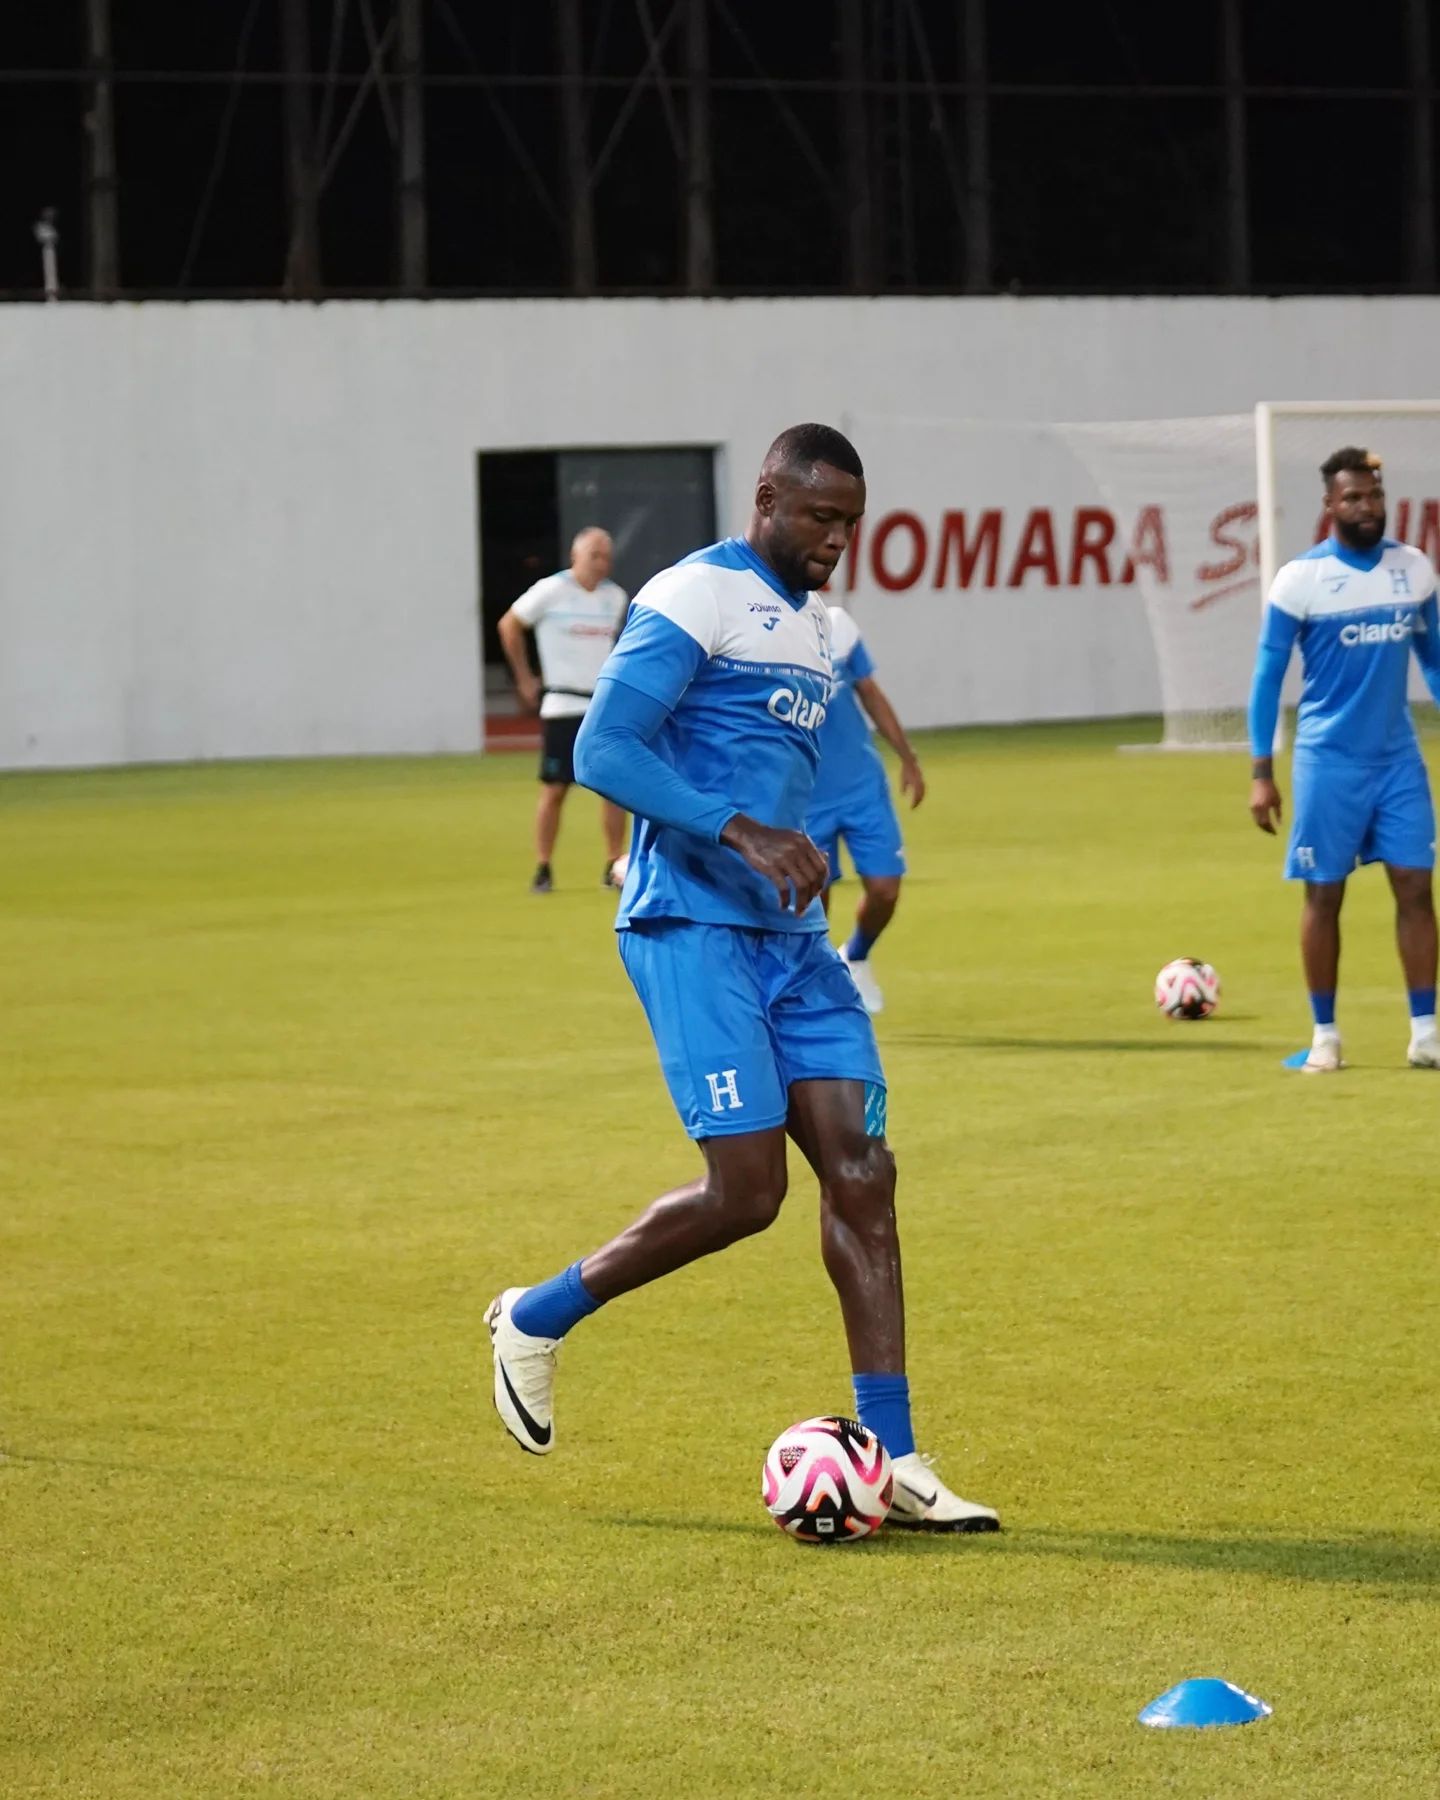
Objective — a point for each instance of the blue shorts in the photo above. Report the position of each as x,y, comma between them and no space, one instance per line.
738,1015
1349,812
865,817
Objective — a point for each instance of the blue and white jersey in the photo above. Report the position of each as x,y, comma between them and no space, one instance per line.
1356,616
743,665
847,752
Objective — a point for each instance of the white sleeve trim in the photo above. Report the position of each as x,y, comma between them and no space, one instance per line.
1291,589
686,597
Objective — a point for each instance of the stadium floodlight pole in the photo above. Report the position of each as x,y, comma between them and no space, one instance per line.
699,162
1237,197
854,132
302,261
103,243
579,203
1420,235
979,252
414,273
47,236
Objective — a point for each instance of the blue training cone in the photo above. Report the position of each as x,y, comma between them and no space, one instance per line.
1204,1701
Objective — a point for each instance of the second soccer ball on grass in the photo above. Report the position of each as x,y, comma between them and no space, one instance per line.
1187,989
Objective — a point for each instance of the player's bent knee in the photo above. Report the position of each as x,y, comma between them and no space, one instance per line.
885,888
752,1207
863,1185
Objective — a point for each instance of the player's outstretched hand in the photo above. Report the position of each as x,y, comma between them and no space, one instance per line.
787,858
1265,803
912,782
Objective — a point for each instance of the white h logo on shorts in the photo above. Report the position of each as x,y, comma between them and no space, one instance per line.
723,1091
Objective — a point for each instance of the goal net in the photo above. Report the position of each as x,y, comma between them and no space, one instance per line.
1196,478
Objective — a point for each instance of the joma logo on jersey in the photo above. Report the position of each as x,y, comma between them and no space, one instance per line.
772,613
1395,632
791,707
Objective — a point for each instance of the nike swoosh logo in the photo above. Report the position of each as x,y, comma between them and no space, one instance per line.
914,1493
540,1436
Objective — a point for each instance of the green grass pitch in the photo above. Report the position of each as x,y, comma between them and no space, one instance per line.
296,1075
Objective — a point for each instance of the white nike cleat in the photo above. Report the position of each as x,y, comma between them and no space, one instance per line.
1424,1052
1324,1058
866,985
524,1377
922,1502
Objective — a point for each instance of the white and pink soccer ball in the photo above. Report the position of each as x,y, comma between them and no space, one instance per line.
827,1481
1187,989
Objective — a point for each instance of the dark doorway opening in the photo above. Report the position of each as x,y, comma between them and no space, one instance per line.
658,504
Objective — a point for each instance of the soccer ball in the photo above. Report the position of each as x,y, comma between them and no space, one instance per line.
1187,989
827,1481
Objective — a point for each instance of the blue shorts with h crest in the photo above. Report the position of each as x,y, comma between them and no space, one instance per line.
738,1015
1350,811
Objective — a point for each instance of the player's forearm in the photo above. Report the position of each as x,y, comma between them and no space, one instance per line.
885,720
512,642
613,756
1264,712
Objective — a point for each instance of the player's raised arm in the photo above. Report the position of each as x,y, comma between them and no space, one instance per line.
873,698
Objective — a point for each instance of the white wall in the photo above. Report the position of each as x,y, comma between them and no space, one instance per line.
250,530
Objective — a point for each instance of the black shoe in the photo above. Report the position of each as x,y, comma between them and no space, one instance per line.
544,882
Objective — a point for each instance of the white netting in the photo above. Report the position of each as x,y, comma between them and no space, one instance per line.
1197,477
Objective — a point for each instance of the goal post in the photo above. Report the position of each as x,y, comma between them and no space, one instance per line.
1294,437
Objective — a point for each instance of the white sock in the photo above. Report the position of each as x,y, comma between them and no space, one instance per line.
1422,1025
1326,1034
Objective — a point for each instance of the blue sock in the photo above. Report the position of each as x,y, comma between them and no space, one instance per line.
1422,1003
883,1403
857,950
1323,1007
550,1310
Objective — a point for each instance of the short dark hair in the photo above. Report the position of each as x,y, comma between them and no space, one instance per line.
1349,456
802,446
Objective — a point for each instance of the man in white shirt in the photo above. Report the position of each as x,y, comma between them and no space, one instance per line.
575,615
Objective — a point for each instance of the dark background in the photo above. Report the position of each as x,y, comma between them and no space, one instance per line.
988,146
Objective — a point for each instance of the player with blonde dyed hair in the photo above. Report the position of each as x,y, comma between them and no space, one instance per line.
575,616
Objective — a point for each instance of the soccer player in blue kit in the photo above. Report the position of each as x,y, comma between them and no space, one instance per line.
1357,604
851,797
704,726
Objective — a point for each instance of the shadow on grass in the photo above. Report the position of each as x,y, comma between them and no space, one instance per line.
1409,1560
963,1040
